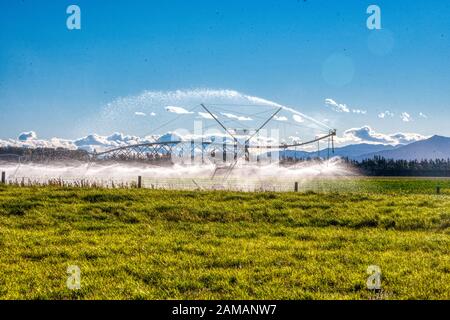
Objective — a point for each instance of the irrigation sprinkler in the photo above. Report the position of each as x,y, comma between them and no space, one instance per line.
139,183
3,177
224,155
296,186
438,189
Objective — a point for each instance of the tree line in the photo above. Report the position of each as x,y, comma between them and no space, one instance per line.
21,154
379,166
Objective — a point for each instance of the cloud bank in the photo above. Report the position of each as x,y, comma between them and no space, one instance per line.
340,107
177,110
366,134
100,143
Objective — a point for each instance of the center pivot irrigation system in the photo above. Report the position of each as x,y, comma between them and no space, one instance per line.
231,147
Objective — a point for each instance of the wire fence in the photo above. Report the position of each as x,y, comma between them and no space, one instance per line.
91,182
245,185
347,184
232,184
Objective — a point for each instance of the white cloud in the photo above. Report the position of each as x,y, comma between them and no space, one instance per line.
338,107
366,134
233,116
341,107
422,115
404,138
206,115
29,139
385,114
280,118
177,110
143,114
100,143
406,117
29,135
297,118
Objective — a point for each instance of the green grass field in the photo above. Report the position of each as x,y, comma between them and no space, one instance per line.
154,244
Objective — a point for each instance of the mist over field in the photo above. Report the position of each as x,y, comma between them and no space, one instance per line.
206,175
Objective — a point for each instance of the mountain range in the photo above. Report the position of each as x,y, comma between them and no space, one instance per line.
435,147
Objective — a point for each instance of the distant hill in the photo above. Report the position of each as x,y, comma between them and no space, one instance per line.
436,147
351,151
355,150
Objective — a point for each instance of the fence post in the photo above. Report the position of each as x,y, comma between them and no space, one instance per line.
139,185
438,189
296,187
3,177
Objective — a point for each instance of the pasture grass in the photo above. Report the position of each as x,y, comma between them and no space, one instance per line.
159,244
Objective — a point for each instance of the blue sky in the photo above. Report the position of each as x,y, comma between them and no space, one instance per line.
57,82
